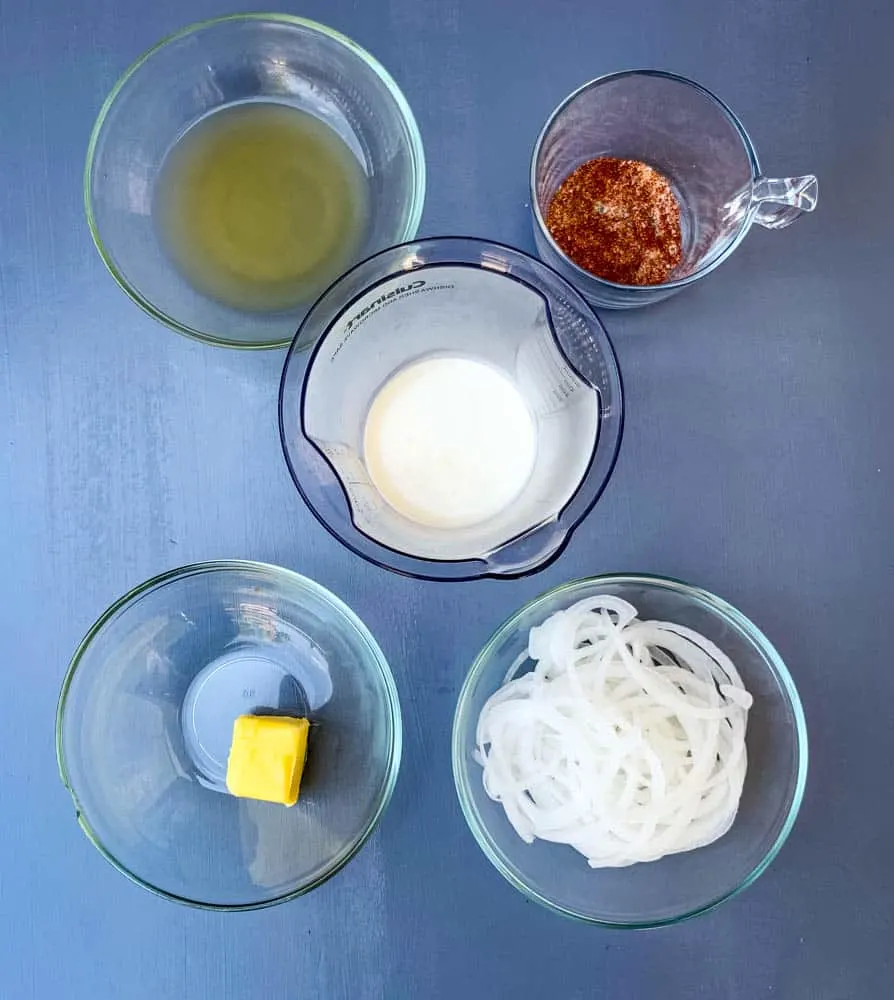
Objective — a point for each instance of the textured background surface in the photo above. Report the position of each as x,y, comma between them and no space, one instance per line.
757,463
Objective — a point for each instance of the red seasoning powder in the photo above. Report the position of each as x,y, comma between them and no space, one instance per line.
619,220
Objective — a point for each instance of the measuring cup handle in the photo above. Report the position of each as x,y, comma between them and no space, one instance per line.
529,551
781,200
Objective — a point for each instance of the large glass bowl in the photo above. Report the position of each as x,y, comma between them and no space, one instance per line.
227,61
146,715
680,885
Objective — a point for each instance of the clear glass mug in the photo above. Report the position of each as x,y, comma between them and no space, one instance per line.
693,138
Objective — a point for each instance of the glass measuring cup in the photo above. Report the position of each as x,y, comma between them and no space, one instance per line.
455,297
691,137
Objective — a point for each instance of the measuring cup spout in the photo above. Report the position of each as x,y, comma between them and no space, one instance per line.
534,548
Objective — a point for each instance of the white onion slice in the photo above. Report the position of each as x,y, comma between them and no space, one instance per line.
626,740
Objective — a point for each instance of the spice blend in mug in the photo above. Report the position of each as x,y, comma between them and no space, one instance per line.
618,219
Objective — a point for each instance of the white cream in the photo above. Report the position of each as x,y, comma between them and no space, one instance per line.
449,442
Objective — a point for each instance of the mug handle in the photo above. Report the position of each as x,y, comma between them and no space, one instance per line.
778,201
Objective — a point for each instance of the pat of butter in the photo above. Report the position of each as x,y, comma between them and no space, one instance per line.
267,757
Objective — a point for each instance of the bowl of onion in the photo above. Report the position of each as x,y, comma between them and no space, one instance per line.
629,751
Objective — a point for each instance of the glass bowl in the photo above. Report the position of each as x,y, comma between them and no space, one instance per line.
679,885
228,61
452,296
689,135
146,715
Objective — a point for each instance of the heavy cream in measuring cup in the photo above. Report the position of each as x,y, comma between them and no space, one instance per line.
444,404
449,442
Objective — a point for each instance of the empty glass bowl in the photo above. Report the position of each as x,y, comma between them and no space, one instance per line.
225,62
691,137
468,298
679,885
145,721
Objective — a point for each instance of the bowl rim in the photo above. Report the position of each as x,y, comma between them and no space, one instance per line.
416,150
714,603
304,583
367,548
579,273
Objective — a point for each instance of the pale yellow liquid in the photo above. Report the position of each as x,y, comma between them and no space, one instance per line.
260,206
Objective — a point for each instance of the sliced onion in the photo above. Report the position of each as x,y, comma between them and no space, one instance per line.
626,740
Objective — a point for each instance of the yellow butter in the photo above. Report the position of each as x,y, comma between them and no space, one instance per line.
267,757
